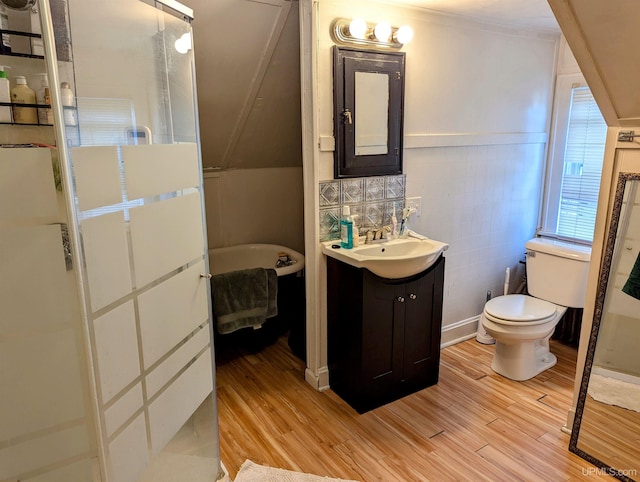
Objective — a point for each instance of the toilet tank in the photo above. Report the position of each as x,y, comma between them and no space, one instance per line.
557,271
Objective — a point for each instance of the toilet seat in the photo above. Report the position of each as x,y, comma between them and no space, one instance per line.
519,310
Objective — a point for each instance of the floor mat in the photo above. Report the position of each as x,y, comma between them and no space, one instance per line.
252,472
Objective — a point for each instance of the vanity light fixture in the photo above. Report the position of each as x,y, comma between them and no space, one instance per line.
360,32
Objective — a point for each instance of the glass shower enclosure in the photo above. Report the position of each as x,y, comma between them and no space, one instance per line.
105,311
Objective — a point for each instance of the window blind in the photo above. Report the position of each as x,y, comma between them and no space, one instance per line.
582,169
103,122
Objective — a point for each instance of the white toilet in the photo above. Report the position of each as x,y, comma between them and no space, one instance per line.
522,324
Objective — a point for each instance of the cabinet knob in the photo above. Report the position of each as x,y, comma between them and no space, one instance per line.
412,296
400,299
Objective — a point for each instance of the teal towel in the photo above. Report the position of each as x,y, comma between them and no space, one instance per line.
632,286
244,298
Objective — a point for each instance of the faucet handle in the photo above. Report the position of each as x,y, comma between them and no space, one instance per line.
368,236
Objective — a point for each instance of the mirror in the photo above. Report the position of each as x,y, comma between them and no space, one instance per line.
606,428
368,112
372,106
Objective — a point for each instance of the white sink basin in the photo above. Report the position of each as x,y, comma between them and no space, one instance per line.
396,258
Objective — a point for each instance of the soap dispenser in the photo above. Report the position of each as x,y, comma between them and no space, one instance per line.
356,231
346,228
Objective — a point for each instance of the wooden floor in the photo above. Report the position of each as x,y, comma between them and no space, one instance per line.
473,425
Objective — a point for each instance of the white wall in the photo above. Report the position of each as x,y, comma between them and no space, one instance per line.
477,109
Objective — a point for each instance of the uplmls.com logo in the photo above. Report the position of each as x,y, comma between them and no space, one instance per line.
591,471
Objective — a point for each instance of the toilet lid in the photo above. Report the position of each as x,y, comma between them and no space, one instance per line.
519,308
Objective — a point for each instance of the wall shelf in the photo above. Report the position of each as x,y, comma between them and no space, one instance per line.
20,54
14,104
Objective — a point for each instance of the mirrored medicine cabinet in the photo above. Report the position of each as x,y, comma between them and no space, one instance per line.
368,112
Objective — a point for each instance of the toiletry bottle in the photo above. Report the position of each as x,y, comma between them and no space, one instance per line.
43,97
346,228
37,45
68,104
394,223
404,224
23,94
5,38
5,95
356,231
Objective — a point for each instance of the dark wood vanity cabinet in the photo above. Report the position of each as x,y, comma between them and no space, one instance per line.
383,334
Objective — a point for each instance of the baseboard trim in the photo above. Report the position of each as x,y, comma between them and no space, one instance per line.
459,331
571,415
458,340
320,380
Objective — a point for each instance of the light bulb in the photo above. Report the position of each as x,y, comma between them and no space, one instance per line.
382,31
358,28
183,44
404,34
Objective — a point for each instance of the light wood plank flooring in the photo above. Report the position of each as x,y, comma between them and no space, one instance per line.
472,425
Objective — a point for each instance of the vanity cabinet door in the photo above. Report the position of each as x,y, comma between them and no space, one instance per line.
422,328
382,334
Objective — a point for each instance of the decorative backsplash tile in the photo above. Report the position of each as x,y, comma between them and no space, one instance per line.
329,223
395,186
371,201
357,213
374,214
352,190
374,188
329,193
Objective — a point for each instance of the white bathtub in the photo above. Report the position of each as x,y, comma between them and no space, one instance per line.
245,256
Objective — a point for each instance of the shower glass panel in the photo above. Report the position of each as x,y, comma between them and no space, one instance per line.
46,415
105,337
135,164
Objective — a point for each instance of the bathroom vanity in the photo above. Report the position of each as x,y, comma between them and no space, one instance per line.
383,334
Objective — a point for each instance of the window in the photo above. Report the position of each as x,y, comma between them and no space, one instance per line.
575,166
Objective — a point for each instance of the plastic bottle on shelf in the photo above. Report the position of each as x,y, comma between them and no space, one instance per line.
5,38
23,94
37,45
68,103
43,97
5,95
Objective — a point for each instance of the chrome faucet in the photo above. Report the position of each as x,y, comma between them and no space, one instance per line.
377,234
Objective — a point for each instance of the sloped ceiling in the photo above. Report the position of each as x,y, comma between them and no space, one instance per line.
248,79
604,38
